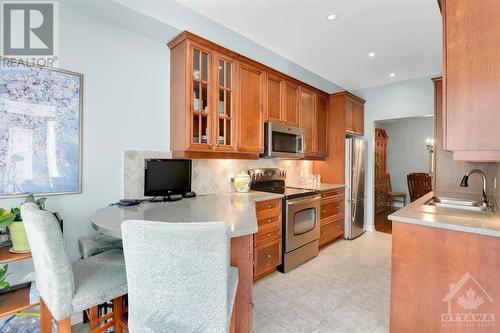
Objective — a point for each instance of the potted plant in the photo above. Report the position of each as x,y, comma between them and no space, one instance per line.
3,275
16,227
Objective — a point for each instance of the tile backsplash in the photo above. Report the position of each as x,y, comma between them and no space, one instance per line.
209,175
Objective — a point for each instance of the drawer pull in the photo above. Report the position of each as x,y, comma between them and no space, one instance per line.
268,256
268,220
269,235
324,211
269,206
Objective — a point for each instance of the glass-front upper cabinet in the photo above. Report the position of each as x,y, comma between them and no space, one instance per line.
201,124
224,118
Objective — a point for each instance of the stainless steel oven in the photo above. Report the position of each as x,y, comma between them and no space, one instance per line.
301,231
300,216
281,140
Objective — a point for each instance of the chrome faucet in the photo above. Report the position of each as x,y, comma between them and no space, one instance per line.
465,183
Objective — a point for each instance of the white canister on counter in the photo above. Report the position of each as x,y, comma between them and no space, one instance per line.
242,182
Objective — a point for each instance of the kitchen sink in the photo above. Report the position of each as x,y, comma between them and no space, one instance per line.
457,203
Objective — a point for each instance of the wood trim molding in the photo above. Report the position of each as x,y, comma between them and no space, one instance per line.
342,93
205,42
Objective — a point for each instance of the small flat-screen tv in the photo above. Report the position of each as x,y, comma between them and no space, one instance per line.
165,177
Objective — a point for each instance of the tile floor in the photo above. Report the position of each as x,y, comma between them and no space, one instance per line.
345,289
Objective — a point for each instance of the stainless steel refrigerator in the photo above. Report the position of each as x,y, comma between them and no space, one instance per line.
355,173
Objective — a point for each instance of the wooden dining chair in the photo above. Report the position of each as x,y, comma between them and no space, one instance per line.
419,184
395,196
66,288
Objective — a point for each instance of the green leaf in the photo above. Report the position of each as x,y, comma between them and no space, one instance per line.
40,202
3,272
6,218
4,285
30,198
17,212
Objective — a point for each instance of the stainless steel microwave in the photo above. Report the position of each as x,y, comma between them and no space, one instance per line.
281,140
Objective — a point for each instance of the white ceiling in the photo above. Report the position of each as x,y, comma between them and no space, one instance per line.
404,34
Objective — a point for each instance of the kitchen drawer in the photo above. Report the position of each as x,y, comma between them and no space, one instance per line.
334,195
267,234
268,204
333,218
268,209
331,208
331,231
267,258
268,221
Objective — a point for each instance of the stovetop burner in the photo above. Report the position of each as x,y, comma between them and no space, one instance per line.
273,180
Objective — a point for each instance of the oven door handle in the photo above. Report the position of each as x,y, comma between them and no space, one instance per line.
301,201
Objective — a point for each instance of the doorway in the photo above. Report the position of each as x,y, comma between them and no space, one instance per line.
403,147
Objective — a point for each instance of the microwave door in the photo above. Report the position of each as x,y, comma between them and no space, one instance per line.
283,141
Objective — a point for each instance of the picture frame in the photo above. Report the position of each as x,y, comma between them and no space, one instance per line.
41,117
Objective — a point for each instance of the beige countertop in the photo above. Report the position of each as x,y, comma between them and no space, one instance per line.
322,188
484,223
236,209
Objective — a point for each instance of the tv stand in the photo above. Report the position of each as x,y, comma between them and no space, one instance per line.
167,198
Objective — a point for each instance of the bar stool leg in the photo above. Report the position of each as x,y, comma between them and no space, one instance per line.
93,317
64,326
118,314
45,318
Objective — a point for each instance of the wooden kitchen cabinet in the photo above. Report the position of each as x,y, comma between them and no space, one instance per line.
331,216
225,107
251,101
353,108
359,117
321,136
313,120
471,79
203,101
433,271
267,241
274,103
349,115
219,101
307,120
291,97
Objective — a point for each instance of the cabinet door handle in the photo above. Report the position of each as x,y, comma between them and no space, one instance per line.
323,211
269,206
268,220
268,256
269,235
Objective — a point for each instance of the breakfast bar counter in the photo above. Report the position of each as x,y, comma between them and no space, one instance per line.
236,209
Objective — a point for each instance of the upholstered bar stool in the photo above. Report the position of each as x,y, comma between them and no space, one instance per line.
98,243
179,277
66,288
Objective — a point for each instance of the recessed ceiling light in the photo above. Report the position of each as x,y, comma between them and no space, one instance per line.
332,17
371,54
392,75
